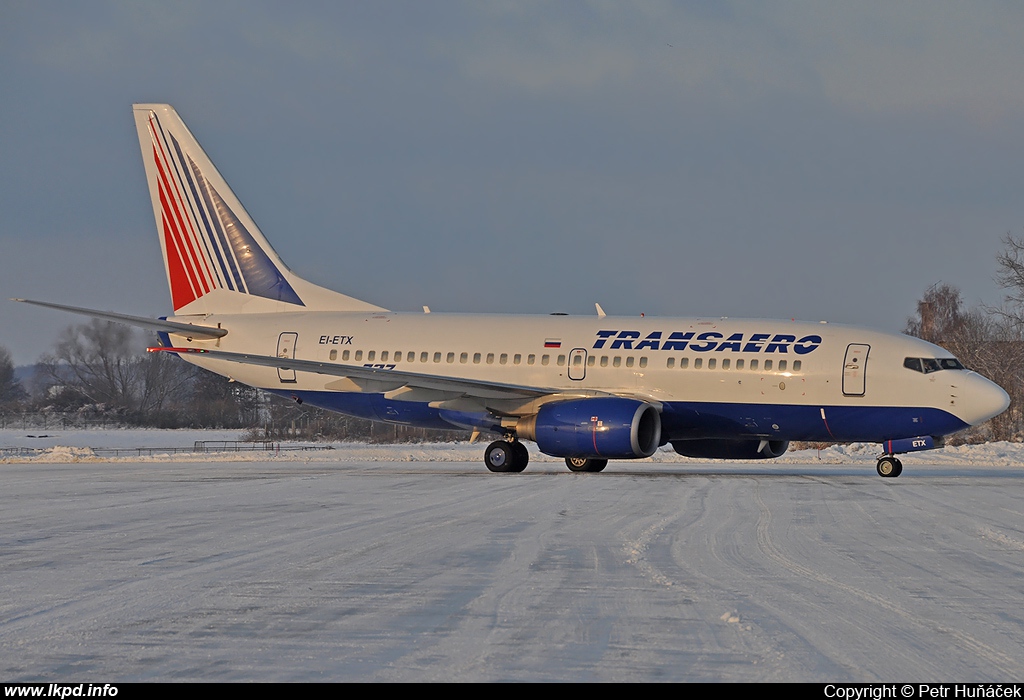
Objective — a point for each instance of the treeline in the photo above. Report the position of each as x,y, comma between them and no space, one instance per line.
100,374
986,339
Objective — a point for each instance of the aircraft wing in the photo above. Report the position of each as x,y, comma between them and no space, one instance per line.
152,324
395,377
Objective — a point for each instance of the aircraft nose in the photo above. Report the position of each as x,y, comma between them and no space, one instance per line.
982,399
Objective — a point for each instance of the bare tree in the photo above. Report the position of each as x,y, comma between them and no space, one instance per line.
106,363
1011,278
11,390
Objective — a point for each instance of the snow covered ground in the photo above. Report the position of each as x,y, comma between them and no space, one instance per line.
415,563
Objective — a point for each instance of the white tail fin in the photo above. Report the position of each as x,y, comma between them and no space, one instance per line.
216,258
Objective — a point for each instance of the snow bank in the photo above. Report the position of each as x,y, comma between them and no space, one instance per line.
88,446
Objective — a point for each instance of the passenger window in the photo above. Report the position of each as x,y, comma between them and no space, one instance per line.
450,358
490,358
797,365
545,359
371,355
616,362
643,361
577,360
503,358
410,357
671,362
698,363
560,361
712,362
384,356
753,365
629,362
516,359
604,360
464,358
591,360
345,355
782,365
739,364
725,364
359,355
476,358
684,363
334,354
530,359
437,357
423,357
767,365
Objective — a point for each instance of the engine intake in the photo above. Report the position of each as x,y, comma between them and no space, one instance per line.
599,428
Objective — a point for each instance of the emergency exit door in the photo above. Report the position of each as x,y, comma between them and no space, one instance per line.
578,364
286,348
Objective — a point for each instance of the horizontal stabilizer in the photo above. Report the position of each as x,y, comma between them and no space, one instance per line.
152,324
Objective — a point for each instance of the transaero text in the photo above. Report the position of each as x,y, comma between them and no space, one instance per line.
707,342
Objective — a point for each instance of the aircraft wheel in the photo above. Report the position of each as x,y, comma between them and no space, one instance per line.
522,457
500,456
889,467
583,464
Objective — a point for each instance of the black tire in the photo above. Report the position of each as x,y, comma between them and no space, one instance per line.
499,456
888,467
584,464
522,457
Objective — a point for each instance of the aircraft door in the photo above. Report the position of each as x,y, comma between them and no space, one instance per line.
286,348
854,367
577,364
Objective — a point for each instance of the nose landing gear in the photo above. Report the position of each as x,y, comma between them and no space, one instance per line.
889,467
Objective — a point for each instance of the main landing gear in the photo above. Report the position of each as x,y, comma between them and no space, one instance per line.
583,464
888,466
506,456
510,455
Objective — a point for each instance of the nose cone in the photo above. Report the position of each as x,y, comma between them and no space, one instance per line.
981,399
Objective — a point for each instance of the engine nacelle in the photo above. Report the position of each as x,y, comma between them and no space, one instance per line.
598,428
731,449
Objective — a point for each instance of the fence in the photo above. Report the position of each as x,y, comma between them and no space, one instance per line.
200,446
54,420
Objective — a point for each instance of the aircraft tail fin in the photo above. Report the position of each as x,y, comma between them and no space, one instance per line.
216,258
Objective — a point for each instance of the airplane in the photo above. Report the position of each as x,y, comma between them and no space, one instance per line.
584,388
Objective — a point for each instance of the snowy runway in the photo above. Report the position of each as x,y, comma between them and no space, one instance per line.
341,569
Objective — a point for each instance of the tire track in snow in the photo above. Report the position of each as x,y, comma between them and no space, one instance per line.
1006,663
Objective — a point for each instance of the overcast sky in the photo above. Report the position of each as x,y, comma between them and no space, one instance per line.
786,159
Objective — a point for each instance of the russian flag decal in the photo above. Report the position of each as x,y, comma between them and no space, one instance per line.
553,343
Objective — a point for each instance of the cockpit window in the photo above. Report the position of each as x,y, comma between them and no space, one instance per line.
927,365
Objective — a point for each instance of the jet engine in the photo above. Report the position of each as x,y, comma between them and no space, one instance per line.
731,449
598,428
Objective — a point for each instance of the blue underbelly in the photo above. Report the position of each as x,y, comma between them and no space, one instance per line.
683,420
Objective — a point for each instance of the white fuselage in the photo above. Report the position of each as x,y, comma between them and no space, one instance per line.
703,365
